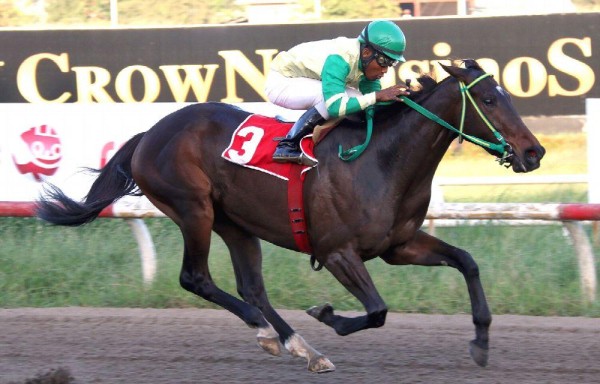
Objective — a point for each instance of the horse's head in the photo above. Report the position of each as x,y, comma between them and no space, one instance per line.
491,116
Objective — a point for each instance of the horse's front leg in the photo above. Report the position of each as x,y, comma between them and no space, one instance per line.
427,250
349,269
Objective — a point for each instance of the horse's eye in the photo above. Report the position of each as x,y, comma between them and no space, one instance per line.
488,101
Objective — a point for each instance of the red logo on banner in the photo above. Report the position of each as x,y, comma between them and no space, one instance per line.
44,152
108,151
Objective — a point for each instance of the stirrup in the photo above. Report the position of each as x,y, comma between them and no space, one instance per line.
286,151
298,158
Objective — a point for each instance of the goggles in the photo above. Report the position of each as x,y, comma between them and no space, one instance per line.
384,61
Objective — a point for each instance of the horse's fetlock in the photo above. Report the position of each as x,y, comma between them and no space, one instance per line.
483,320
377,318
256,319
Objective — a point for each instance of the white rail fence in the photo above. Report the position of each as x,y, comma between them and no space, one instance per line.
512,180
570,215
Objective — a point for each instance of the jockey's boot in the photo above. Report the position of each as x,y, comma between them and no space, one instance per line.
288,149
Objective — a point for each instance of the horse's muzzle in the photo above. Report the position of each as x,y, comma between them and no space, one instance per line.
529,159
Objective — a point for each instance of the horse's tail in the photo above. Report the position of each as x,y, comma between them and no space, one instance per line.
113,182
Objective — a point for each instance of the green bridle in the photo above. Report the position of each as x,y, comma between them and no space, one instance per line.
502,148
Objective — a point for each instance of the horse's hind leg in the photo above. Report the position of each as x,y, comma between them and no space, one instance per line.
429,251
249,281
247,262
195,275
170,176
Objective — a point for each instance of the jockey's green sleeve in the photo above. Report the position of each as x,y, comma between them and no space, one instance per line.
367,86
334,78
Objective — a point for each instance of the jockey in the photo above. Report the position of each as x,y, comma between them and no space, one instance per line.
332,79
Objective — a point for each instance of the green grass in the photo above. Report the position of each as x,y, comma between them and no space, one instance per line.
525,269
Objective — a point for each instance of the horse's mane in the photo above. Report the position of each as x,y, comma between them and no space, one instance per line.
427,84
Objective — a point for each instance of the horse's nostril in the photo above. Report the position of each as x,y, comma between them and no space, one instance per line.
531,154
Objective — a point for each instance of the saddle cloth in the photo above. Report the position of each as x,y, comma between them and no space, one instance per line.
253,143
252,146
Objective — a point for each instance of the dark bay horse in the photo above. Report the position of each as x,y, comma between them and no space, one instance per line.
371,207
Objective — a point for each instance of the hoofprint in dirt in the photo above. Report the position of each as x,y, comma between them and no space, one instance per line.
105,345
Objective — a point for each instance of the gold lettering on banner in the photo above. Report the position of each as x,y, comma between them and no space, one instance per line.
537,75
91,84
580,71
567,71
490,66
438,72
27,77
149,77
192,80
237,62
412,69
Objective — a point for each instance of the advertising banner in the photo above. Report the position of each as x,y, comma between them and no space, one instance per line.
549,63
56,142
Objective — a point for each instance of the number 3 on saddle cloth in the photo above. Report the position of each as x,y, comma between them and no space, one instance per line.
252,146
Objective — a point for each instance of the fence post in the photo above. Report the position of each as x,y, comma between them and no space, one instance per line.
146,248
585,258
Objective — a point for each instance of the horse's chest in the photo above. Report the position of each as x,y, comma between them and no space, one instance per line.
376,238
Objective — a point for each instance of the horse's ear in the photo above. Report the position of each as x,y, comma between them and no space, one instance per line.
456,72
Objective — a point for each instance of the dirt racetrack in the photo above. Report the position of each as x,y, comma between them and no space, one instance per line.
99,345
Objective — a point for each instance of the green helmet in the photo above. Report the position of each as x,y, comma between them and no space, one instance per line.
386,37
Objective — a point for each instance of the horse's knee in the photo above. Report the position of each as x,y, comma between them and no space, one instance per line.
197,283
187,285
467,265
377,318
471,270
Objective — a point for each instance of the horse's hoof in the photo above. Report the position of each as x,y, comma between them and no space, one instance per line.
270,344
321,311
478,354
320,364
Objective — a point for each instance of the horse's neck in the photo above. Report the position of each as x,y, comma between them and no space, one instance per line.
425,140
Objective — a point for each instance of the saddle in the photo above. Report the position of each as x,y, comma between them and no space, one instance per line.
253,143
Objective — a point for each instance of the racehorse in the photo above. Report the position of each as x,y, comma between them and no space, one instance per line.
355,210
